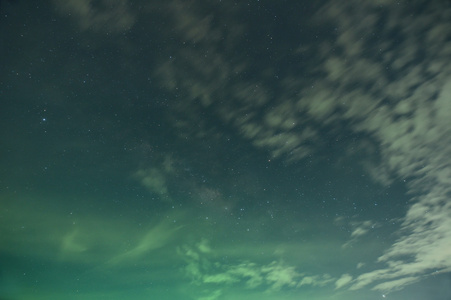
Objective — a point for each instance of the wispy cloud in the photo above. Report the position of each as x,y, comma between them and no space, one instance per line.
358,230
203,268
155,179
110,16
394,91
412,131
343,280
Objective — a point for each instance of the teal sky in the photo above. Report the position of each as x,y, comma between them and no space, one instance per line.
219,150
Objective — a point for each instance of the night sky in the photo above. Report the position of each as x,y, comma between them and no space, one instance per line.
225,150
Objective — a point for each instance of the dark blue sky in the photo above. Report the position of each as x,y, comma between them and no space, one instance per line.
216,150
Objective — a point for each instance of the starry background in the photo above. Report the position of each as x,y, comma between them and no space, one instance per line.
225,150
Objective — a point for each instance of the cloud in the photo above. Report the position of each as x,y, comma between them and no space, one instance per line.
316,280
73,242
99,16
214,295
413,133
343,280
362,228
391,93
154,180
204,246
202,268
280,276
423,250
396,284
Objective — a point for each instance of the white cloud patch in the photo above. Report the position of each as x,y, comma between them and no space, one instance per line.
279,275
316,280
343,280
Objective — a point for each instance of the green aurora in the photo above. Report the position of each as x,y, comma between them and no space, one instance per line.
219,150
